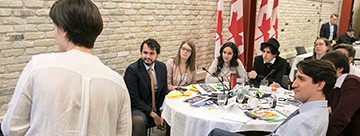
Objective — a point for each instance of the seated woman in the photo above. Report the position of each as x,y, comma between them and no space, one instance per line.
226,64
181,69
267,62
321,47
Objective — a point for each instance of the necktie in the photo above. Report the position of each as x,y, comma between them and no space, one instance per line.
288,118
268,65
153,105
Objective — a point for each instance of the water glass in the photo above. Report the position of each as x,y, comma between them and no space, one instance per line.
240,97
221,99
264,82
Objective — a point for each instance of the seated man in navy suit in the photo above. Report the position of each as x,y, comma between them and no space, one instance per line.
146,80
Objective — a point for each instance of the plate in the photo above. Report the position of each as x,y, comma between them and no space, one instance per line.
264,114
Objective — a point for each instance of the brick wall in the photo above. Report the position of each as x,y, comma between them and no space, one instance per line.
26,30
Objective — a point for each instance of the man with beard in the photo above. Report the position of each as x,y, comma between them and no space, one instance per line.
147,84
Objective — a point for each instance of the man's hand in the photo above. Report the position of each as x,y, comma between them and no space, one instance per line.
159,122
252,74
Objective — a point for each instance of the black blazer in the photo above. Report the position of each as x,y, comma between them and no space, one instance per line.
262,70
325,31
137,81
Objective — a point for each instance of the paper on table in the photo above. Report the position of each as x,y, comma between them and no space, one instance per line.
236,117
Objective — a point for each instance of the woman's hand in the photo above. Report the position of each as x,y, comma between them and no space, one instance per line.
274,84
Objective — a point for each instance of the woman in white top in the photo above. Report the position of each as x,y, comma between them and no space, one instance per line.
70,93
181,69
226,64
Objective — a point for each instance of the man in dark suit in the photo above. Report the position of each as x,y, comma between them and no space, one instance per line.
147,85
267,62
329,29
347,37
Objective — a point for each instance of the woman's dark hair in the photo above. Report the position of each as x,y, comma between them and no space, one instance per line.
327,43
319,70
272,49
233,62
81,20
190,63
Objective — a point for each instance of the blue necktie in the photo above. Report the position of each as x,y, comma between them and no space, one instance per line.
296,112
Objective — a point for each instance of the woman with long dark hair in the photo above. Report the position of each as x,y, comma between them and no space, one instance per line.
226,64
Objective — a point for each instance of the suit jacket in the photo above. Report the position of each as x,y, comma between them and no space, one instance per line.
137,81
325,31
262,70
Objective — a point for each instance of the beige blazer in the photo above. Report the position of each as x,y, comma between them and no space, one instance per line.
173,71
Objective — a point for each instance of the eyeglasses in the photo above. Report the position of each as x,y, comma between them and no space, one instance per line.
319,44
185,49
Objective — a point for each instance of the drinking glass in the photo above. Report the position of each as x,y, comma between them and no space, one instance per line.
264,82
221,99
240,97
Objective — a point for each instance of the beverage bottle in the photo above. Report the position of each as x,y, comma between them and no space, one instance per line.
273,97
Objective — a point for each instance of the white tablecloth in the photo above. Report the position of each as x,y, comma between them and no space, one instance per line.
191,121
357,48
296,61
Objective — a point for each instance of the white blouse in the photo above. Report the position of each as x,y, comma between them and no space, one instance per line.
69,93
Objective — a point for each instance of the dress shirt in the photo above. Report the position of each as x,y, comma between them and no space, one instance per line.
312,120
354,70
226,72
331,32
71,94
153,73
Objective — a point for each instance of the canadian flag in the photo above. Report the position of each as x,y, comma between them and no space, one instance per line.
218,40
236,27
266,23
274,21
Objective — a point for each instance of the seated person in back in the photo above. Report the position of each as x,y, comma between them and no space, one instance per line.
314,80
350,52
321,47
226,64
267,62
344,99
347,37
181,69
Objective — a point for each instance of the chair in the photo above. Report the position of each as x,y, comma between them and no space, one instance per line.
300,50
149,128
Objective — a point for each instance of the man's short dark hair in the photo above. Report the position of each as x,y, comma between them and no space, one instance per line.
152,44
351,51
81,20
319,70
339,60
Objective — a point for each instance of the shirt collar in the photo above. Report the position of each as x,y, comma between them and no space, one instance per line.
330,23
272,61
313,105
147,67
340,81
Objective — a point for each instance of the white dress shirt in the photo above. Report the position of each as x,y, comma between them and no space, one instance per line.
69,93
354,70
312,120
